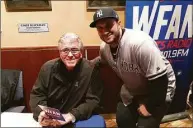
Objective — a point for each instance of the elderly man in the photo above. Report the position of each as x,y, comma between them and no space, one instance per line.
68,83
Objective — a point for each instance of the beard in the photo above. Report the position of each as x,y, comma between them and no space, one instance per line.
112,39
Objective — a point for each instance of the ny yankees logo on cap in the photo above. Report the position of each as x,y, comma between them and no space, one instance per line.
103,13
99,13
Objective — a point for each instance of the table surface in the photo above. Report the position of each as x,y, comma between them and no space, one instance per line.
11,119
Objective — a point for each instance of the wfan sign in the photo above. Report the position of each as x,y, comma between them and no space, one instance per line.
170,24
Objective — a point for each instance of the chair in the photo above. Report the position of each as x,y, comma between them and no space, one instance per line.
12,98
190,96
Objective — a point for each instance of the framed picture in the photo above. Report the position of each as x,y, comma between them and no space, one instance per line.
96,4
28,5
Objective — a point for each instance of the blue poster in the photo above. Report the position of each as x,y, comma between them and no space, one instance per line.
169,22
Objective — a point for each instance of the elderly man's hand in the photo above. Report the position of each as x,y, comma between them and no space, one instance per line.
143,111
69,118
43,119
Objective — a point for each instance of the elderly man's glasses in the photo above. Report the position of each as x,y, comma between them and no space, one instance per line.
66,51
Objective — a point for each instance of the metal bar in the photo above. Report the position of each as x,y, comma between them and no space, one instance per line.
176,116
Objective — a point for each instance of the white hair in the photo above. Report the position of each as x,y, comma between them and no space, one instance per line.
70,37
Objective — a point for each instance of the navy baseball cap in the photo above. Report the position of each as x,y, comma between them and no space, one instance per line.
103,13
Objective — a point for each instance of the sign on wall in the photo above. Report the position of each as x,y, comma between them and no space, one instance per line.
33,27
170,24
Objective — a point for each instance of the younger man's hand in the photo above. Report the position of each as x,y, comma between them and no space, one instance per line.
143,111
